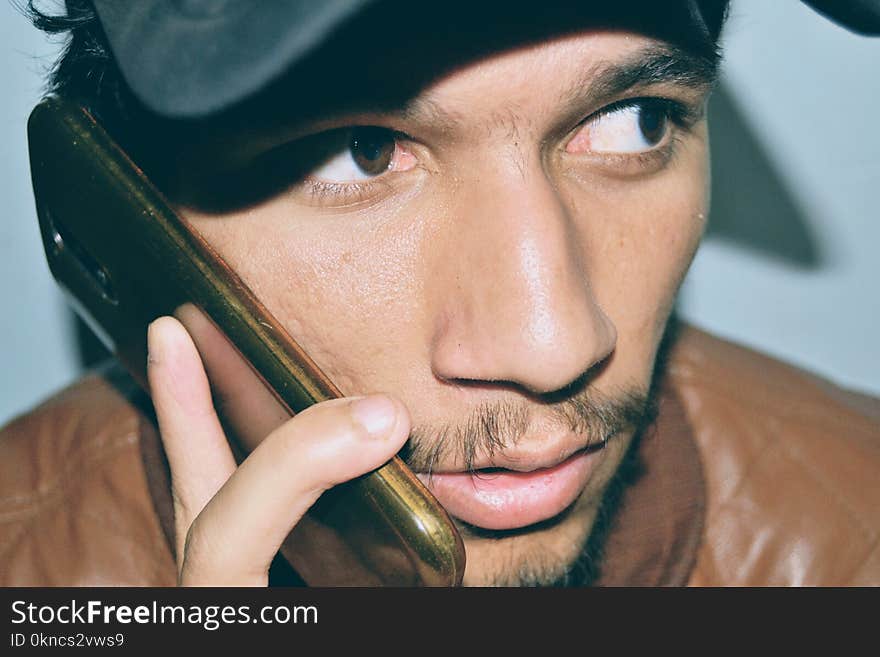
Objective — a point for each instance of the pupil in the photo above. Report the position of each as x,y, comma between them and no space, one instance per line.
652,123
372,149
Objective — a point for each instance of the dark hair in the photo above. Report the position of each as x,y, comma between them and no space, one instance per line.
86,72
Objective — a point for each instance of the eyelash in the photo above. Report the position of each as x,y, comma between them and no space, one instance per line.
678,112
344,194
682,117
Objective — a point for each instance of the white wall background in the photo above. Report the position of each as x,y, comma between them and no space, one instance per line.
37,347
809,92
797,162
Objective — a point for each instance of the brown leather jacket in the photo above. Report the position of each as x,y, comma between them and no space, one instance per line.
755,473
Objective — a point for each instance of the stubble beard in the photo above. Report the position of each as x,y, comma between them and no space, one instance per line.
626,414
567,550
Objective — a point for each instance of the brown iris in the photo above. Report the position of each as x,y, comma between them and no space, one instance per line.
653,124
372,149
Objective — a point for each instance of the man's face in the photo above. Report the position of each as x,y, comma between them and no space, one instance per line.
502,254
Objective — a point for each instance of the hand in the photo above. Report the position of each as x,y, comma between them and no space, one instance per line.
230,520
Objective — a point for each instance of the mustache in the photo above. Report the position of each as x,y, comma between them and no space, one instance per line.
494,427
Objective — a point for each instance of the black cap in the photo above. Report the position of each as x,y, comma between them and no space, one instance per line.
190,58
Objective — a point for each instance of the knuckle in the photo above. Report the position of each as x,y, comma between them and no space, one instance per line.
191,542
200,540
313,430
196,551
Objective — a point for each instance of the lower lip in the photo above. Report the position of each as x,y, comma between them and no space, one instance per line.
508,499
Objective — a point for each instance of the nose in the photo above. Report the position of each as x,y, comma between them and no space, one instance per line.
512,294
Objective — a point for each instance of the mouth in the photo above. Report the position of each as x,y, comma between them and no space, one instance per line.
500,498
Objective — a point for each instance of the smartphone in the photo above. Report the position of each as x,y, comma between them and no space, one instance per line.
124,258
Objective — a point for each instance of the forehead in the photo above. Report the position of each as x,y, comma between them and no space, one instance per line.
597,63
522,76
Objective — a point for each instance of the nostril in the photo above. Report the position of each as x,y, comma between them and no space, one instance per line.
578,384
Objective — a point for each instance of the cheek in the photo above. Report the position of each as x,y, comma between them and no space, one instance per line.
638,241
342,288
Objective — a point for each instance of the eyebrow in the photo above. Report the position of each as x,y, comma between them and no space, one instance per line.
603,82
653,65
660,64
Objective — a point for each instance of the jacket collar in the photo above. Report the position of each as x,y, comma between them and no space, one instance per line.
654,538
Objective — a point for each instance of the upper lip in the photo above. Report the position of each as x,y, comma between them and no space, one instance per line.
523,459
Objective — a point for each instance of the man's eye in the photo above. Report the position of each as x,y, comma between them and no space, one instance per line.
364,153
636,127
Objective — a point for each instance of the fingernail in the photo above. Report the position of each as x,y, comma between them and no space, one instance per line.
376,413
154,345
